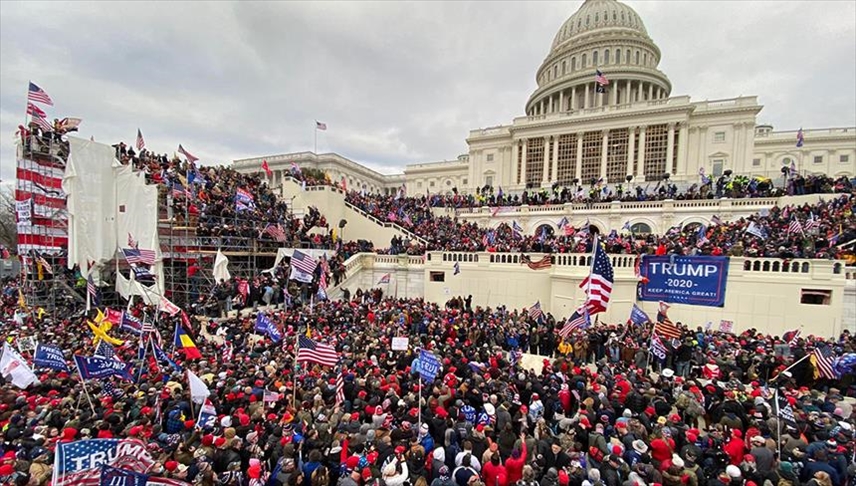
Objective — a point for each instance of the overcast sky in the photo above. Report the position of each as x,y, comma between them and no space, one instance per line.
396,83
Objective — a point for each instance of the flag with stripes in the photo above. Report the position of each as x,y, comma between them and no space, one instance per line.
186,154
535,311
34,93
822,360
315,352
600,79
109,389
516,229
80,462
340,389
320,126
598,285
715,220
35,111
141,142
578,320
795,226
136,256
132,242
792,337
667,329
384,279
542,263
92,290
563,222
812,222
106,350
276,232
44,263
131,323
302,266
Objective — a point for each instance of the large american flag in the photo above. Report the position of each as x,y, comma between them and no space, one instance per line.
276,232
38,95
141,142
92,290
812,222
598,285
303,262
136,256
315,352
535,311
600,79
320,126
823,362
666,328
190,158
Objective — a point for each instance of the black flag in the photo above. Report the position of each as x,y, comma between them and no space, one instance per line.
784,410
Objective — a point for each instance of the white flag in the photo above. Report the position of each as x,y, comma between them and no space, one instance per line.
13,365
221,268
198,390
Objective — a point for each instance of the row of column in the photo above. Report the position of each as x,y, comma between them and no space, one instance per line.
548,176
586,96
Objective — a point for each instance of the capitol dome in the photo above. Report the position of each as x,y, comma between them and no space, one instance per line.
604,35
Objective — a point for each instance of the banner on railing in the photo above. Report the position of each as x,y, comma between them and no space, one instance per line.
692,280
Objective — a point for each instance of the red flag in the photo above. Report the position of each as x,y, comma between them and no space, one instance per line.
267,169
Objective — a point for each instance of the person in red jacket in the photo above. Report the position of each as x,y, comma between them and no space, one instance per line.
735,447
494,473
514,464
662,447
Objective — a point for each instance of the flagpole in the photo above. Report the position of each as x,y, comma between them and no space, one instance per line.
315,150
85,390
294,381
792,365
778,427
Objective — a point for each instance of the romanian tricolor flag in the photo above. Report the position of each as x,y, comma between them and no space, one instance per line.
183,342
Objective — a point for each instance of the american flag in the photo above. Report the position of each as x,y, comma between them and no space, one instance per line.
384,279
136,256
600,79
795,226
188,155
813,222
108,389
132,242
800,138
598,284
666,328
131,323
823,363
314,352
535,311
34,110
141,142
792,337
303,262
544,262
180,191
38,95
579,320
92,290
43,123
715,220
275,232
320,126
563,222
228,352
44,263
105,350
340,389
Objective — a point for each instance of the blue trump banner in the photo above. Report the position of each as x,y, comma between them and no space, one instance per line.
95,367
692,280
81,461
47,356
429,365
114,476
265,326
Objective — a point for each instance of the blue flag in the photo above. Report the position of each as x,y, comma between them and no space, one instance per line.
638,316
131,323
161,356
113,476
265,326
47,356
429,365
96,367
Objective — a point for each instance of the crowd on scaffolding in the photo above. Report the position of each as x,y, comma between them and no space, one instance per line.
596,409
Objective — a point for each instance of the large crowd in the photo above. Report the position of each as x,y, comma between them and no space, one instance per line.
599,410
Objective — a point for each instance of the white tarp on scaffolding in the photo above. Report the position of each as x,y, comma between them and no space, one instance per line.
221,268
287,252
90,185
137,216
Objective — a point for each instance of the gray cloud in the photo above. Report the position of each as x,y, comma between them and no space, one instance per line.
397,83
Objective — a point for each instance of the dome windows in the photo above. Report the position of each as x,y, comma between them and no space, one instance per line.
594,58
637,57
583,63
596,18
588,19
606,56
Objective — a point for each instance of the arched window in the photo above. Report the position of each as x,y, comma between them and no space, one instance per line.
628,57
596,17
594,58
588,18
606,57
542,229
573,64
640,229
583,62
645,59
563,67
637,57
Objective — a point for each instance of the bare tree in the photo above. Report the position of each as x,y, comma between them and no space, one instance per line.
8,227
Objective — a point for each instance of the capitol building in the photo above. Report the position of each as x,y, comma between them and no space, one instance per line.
579,127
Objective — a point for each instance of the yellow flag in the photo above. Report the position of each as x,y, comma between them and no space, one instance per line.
40,270
22,303
40,313
333,235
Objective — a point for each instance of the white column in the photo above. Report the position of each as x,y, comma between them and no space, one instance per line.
631,142
670,147
523,170
514,155
650,91
603,153
682,149
561,101
579,171
586,102
641,163
574,98
613,95
555,156
628,93
640,97
545,172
